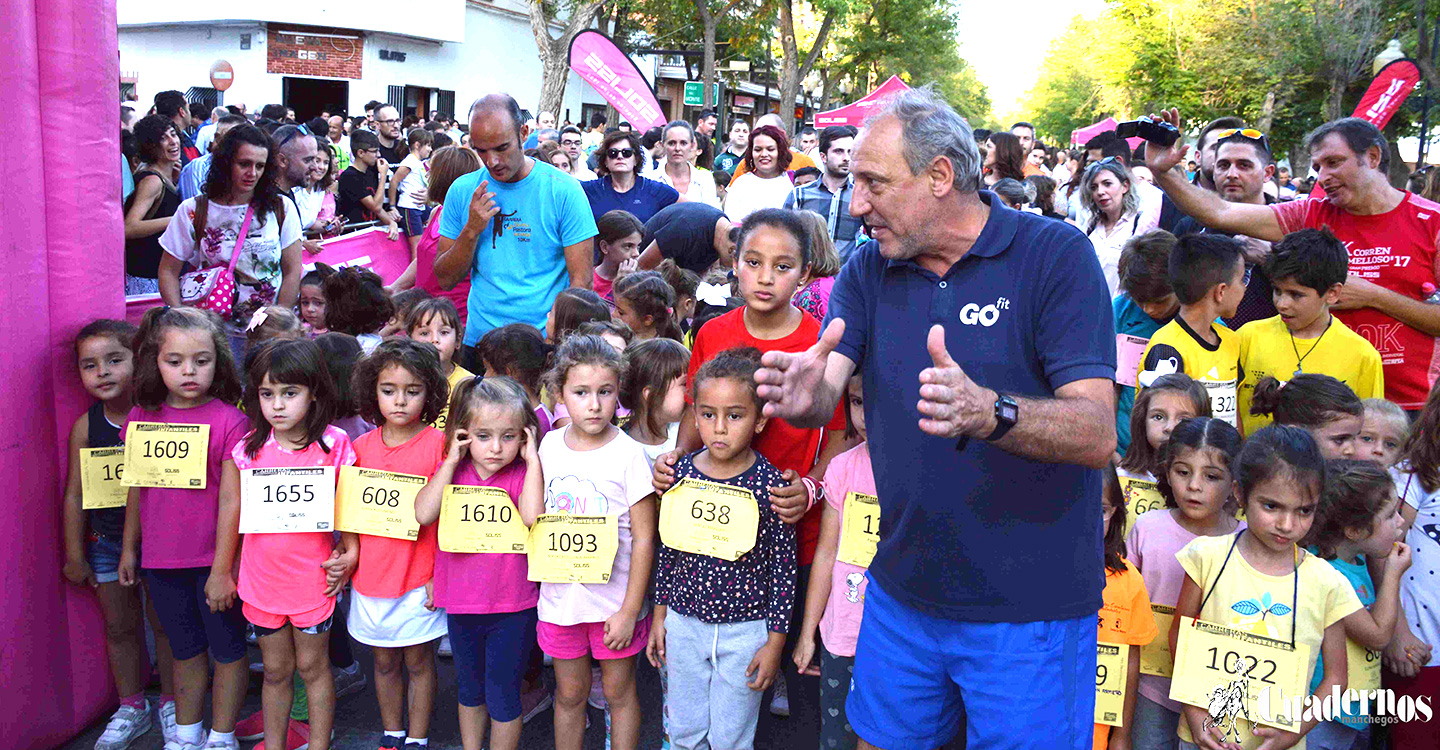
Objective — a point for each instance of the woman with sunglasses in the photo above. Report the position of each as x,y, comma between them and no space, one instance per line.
1107,193
241,183
620,186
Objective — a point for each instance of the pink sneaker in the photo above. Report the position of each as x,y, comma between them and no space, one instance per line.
250,728
297,737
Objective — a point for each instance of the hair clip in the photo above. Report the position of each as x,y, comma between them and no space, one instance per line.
257,320
713,294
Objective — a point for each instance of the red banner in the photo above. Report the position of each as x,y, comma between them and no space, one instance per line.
1386,93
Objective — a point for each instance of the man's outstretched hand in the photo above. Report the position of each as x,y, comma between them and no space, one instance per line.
788,382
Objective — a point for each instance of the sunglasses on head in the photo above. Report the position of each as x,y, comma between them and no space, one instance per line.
1249,134
620,153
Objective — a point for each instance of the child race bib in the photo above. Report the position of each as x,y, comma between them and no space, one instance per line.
573,549
1362,667
1155,657
378,503
160,454
480,519
707,518
1111,663
860,530
1224,670
101,470
287,500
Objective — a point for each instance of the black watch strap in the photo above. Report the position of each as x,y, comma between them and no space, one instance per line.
1007,412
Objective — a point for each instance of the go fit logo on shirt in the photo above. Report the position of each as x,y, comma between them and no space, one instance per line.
973,314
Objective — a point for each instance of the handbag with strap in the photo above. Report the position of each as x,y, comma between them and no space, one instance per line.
213,288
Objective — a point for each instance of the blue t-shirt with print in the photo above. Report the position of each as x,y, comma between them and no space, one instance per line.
1131,320
519,265
1358,574
644,200
973,532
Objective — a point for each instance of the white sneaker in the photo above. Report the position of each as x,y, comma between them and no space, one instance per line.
444,648
168,724
780,700
219,744
126,725
178,745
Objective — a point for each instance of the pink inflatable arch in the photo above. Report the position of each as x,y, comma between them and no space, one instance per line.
63,264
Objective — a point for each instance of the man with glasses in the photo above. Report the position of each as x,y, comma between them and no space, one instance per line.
1390,235
295,156
1241,166
361,197
519,229
393,147
572,142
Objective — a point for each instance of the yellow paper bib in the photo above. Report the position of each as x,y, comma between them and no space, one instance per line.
860,531
378,503
1141,496
1209,660
159,454
707,518
1155,656
1111,661
573,549
101,470
1362,667
480,520
289,500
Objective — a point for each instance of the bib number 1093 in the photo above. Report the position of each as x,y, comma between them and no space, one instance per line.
573,542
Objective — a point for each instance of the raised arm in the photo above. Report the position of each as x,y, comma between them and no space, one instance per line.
453,258
1204,206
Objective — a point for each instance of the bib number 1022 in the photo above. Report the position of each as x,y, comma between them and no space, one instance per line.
576,542
166,449
288,493
1232,662
704,510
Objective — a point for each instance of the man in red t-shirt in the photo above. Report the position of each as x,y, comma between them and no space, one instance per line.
1391,235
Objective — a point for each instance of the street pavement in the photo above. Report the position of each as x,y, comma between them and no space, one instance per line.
357,722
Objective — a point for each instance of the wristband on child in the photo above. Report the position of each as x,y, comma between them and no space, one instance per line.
814,492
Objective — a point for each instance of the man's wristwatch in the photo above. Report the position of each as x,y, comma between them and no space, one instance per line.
1007,413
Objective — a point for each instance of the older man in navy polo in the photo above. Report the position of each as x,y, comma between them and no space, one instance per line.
982,596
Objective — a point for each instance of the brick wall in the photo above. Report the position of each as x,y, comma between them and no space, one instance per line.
314,56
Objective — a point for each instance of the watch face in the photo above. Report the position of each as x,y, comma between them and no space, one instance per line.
1008,410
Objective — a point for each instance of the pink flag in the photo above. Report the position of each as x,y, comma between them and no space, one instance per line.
595,58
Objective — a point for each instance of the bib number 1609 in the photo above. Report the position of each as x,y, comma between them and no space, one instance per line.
165,449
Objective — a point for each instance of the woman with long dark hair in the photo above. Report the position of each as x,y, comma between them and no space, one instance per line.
241,183
148,209
1004,157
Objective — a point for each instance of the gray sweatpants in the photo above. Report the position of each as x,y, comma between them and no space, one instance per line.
711,707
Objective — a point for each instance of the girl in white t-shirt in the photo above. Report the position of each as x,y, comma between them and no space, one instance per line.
592,468
409,185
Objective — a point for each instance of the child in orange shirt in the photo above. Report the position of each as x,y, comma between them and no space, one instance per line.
1125,616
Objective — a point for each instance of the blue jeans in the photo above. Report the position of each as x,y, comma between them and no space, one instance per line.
921,679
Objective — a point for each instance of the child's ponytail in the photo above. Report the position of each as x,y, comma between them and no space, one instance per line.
1422,447
1355,494
651,296
1307,400
1197,433
1115,530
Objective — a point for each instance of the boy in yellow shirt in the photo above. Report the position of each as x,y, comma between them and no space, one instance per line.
1308,270
1207,273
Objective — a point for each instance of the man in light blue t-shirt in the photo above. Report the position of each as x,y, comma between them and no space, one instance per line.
519,229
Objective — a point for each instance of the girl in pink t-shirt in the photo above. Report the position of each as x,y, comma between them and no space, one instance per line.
401,388
488,597
1197,481
185,374
291,401
836,595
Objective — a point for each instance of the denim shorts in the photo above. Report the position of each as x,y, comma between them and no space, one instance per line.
103,554
921,679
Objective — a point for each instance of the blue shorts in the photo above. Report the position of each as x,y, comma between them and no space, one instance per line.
103,554
414,220
490,655
919,680
179,597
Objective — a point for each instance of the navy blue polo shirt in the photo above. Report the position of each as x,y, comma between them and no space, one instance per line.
979,534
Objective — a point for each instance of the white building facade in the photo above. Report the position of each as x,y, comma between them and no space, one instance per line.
420,55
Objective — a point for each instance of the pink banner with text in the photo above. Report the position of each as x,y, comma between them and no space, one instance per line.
595,58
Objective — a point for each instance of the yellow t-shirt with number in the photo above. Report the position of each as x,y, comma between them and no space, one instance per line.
1246,599
457,376
1266,348
1176,348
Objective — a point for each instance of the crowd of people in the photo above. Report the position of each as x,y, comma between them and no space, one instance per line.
1149,388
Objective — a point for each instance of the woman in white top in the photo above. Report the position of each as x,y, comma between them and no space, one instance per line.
1106,193
767,183
694,184
242,177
